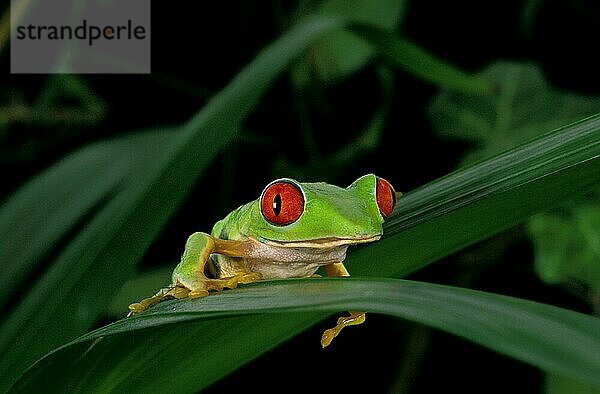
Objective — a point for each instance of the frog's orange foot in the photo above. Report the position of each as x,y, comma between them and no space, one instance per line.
354,319
177,292
202,289
218,285
141,306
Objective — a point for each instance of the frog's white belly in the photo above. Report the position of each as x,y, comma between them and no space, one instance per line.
281,262
278,270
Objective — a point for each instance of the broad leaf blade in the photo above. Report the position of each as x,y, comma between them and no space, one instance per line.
532,332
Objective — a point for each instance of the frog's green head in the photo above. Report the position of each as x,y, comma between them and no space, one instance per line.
291,213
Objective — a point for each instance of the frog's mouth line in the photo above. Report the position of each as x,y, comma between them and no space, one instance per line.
322,243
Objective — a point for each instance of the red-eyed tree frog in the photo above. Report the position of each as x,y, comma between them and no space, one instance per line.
290,231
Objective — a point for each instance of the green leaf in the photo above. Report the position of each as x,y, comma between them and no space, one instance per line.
50,106
557,384
480,200
406,55
326,167
529,13
567,245
23,241
370,32
137,347
524,107
67,298
341,52
45,209
139,288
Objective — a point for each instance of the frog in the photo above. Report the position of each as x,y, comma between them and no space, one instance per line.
290,231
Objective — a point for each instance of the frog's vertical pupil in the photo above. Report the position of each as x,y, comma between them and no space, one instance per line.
277,204
282,202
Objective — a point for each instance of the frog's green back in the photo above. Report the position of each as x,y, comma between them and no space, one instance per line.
229,226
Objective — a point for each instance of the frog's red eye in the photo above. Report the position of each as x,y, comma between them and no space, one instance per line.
386,197
282,203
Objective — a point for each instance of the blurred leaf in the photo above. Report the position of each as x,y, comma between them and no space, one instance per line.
69,296
370,138
44,210
66,101
66,98
529,331
380,39
524,107
557,384
478,201
342,53
428,223
327,168
529,13
568,246
404,54
138,288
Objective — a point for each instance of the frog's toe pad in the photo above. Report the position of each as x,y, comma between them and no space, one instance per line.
134,308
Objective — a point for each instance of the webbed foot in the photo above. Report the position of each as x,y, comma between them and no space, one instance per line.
208,285
176,292
354,319
199,290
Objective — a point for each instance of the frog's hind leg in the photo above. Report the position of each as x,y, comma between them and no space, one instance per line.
355,318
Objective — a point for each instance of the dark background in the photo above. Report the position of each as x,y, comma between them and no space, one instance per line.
197,49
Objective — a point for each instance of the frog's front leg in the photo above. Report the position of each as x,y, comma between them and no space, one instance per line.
355,318
189,279
189,273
